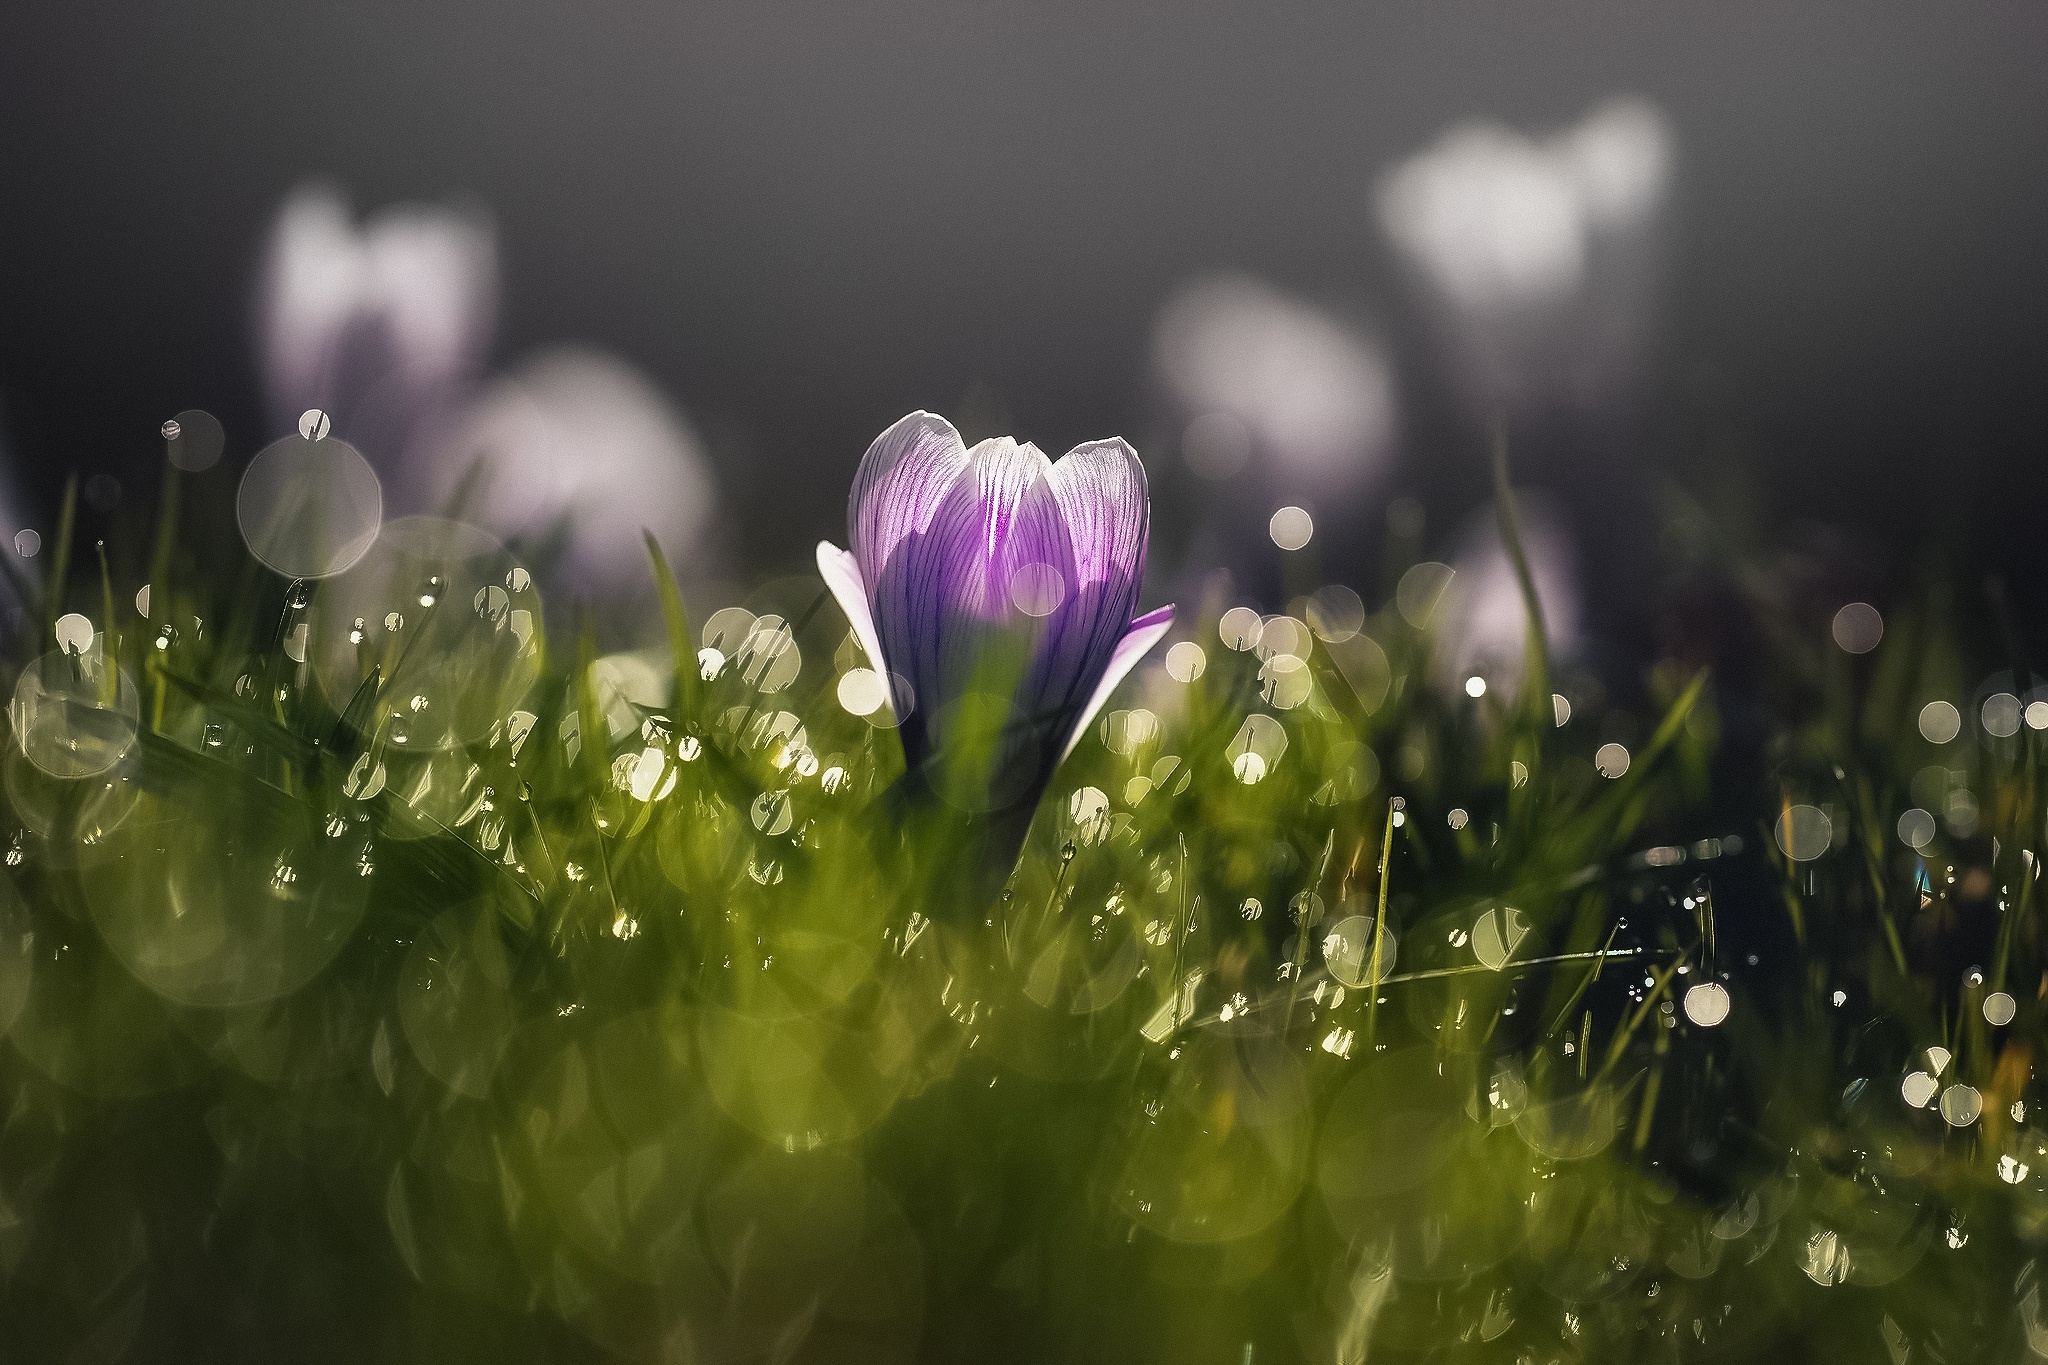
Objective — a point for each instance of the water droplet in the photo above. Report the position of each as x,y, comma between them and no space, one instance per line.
1999,1009
26,543
518,580
170,430
314,424
394,621
1707,1004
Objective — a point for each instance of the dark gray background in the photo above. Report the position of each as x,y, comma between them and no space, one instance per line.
805,218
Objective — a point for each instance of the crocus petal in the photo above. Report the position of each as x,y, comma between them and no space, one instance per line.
955,583
1144,633
908,472
841,572
903,478
1100,490
1000,517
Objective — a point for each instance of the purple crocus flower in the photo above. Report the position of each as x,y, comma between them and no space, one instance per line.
384,326
994,582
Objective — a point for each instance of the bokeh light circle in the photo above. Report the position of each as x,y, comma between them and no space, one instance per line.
1940,722
1857,628
2000,715
74,716
1186,662
1707,1004
309,509
193,440
1291,528
1804,832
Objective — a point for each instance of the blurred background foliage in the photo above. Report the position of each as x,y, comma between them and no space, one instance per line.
386,973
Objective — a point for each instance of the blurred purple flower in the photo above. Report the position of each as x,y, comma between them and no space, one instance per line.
384,326
1537,259
965,560
1482,620
1274,379
576,441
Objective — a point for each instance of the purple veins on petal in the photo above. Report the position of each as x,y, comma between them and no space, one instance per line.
903,478
1101,492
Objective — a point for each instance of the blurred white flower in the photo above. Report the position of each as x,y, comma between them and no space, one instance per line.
383,326
1482,625
576,440
1270,377
1537,258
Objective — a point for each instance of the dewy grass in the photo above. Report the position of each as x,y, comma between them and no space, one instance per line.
385,976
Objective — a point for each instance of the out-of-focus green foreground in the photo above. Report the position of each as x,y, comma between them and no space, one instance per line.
381,979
